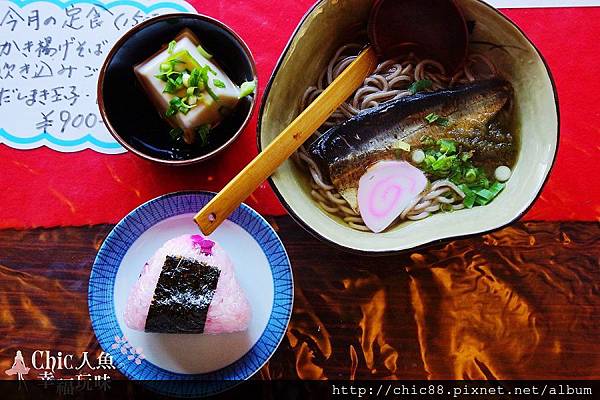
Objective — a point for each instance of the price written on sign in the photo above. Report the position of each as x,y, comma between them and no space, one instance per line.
50,55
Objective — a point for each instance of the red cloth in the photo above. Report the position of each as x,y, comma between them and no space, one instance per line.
43,187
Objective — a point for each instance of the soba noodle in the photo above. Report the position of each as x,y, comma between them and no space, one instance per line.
390,81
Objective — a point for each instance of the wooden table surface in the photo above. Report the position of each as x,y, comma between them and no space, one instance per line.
521,303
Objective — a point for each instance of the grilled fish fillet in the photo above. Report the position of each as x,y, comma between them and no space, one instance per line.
344,152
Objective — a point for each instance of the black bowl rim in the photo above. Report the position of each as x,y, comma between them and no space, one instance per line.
317,235
141,26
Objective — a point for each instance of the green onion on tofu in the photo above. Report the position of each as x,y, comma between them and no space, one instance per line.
166,67
173,84
204,53
247,88
189,81
195,82
176,105
171,47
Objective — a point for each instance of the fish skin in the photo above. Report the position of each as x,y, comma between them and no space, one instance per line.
346,151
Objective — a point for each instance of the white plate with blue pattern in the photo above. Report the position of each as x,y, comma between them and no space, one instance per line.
193,365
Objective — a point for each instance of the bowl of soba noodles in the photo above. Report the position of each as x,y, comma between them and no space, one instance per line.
418,154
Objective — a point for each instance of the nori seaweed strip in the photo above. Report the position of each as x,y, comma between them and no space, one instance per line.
183,293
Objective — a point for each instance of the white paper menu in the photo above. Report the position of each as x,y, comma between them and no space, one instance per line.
51,52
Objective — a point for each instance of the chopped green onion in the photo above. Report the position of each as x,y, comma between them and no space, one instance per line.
431,118
496,188
443,121
183,60
169,67
174,106
486,194
169,88
447,146
171,47
481,201
204,53
201,75
167,70
469,201
218,83
172,110
466,155
471,175
203,131
176,133
402,145
185,79
465,189
434,118
419,86
445,160
427,140
484,182
173,85
247,88
166,67
194,77
480,195
179,80
177,105
444,163
211,93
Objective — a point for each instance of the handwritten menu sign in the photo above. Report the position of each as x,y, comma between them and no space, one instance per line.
50,56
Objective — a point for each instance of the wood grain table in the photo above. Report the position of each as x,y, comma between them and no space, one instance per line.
520,303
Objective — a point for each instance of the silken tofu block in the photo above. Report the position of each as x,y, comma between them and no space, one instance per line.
207,111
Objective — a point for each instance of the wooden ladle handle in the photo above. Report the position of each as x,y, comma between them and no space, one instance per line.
286,143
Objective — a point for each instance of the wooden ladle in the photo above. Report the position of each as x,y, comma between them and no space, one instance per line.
389,38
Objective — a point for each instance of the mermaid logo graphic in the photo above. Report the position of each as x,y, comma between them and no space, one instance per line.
18,368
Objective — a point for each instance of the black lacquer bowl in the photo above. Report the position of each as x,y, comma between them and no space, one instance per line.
127,110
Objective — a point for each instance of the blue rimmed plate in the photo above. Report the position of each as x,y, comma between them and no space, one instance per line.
194,365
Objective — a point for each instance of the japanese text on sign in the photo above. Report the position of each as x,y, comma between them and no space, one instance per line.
50,57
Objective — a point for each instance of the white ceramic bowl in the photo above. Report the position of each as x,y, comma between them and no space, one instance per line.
320,33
